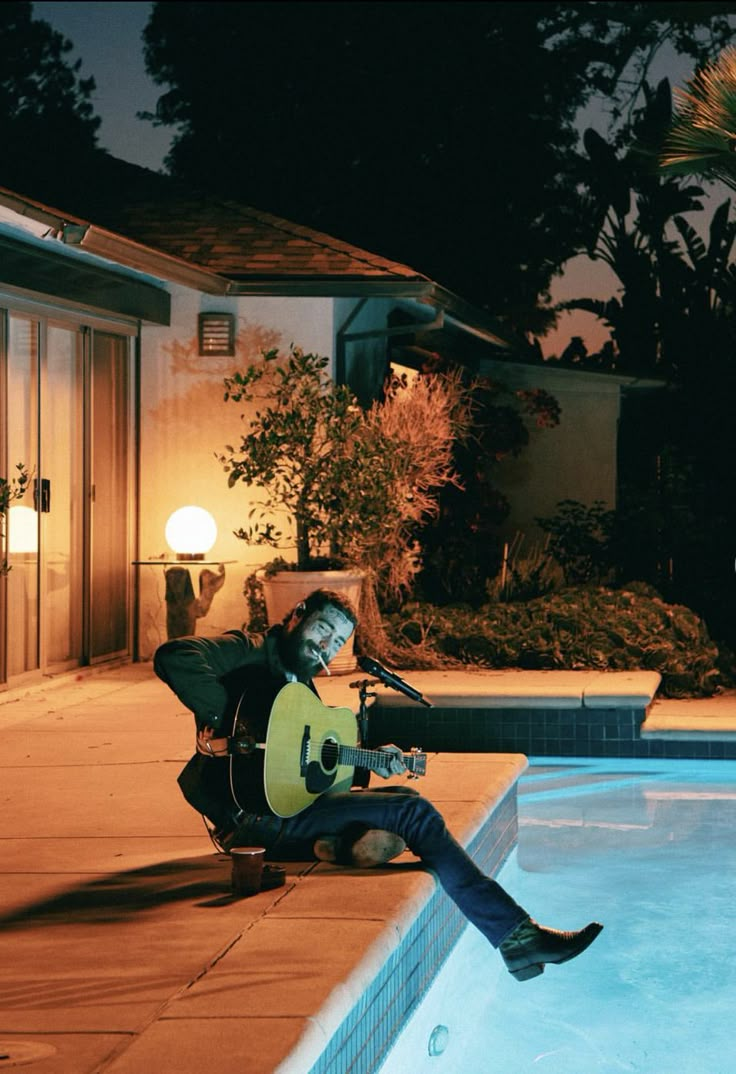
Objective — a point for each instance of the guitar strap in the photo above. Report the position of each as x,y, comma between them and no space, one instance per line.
210,746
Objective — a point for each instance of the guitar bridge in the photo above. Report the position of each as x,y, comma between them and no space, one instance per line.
304,751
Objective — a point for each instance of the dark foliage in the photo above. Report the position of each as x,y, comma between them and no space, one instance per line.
439,134
581,540
674,321
461,548
576,628
46,115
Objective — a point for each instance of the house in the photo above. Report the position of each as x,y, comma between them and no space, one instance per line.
117,327
601,419
112,396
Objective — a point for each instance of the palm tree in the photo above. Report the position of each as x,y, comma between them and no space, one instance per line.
702,139
629,207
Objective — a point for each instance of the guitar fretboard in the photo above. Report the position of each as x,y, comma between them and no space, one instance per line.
373,759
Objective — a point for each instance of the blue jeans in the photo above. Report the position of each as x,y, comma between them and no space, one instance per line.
482,900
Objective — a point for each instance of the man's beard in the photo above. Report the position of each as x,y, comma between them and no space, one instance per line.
297,657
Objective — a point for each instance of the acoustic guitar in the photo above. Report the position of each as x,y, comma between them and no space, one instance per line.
312,748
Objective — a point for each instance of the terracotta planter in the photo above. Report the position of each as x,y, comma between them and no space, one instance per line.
284,590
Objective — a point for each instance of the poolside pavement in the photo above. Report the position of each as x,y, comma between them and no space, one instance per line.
692,718
123,948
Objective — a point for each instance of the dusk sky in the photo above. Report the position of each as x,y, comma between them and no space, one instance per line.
107,37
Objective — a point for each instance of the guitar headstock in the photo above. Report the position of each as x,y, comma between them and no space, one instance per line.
416,762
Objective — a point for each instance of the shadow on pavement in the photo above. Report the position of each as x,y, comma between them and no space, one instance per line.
114,898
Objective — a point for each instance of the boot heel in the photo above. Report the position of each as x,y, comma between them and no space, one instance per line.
528,972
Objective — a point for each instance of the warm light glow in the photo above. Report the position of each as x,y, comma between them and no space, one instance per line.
22,530
191,531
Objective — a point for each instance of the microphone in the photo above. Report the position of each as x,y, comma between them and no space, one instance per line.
390,678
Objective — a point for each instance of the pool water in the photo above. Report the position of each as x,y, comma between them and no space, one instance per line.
649,849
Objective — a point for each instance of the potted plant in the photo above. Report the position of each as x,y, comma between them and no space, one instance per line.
353,484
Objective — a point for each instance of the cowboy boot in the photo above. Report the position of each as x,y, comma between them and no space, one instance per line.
526,950
359,846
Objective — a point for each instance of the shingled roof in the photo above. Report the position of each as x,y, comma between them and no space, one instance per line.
153,224
222,236
239,242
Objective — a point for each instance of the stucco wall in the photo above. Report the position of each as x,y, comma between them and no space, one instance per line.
576,460
185,422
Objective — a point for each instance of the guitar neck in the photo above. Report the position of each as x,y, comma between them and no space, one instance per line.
372,759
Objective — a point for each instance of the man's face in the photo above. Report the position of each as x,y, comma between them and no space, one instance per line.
320,634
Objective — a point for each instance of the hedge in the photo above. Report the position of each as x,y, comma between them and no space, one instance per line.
574,628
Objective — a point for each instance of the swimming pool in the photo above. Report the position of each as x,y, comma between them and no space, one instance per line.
649,849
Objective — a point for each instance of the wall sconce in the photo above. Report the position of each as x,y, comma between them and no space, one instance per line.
216,332
191,532
22,530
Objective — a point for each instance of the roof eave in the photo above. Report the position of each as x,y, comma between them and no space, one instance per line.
167,267
135,255
329,286
469,318
571,372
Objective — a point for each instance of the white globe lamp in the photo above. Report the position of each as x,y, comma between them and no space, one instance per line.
191,532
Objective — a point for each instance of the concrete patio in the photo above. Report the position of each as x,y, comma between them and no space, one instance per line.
124,948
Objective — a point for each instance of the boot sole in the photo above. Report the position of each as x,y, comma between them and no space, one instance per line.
528,972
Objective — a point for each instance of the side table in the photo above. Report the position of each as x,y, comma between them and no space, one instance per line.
183,609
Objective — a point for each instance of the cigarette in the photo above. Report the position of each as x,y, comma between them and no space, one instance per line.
321,660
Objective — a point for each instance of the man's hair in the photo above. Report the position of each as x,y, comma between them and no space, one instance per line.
322,598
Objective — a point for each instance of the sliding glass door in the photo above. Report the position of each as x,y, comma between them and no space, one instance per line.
68,416
22,552
61,498
110,469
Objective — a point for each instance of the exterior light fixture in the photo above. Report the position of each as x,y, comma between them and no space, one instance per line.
22,530
216,332
191,532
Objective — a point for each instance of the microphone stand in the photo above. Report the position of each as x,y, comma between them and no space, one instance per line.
362,686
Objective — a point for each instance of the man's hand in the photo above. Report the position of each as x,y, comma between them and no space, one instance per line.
211,746
394,762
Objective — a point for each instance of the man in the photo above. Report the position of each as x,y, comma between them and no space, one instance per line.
215,676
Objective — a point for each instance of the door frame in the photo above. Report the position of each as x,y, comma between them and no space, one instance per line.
12,301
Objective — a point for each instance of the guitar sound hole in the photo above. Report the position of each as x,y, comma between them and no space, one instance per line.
329,754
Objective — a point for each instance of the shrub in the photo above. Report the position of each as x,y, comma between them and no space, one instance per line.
354,485
575,628
581,540
525,575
